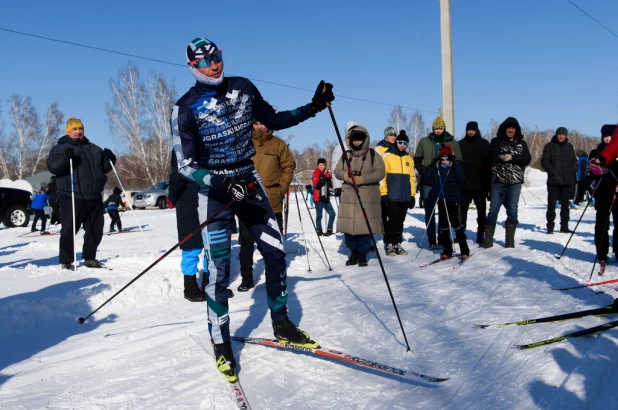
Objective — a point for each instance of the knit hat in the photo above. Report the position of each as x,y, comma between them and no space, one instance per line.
200,47
74,123
43,184
389,131
562,131
472,126
608,130
438,123
117,190
321,161
403,136
446,151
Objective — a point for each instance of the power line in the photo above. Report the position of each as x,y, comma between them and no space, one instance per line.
106,50
593,19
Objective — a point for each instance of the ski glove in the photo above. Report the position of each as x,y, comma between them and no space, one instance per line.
240,189
412,203
596,165
323,96
69,153
108,155
337,192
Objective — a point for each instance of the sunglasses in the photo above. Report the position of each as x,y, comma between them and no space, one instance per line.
404,143
445,159
204,62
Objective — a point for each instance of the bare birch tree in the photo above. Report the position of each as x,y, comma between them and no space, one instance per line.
417,128
26,128
398,118
4,149
53,119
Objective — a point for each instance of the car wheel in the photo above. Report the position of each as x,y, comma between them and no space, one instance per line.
161,203
16,216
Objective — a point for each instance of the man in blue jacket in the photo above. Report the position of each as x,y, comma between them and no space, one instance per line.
211,130
90,166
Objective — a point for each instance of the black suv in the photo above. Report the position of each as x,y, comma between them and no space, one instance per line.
14,207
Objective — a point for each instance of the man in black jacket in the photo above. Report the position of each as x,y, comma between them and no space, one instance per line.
560,163
90,166
475,153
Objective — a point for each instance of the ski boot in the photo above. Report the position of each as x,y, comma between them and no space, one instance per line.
285,331
224,359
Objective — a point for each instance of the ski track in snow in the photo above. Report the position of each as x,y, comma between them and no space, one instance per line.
140,351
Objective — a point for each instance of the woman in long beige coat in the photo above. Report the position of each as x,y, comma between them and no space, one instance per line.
368,169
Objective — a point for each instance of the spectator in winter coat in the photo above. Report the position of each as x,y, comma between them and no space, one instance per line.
397,190
37,206
211,131
509,155
322,181
90,166
367,167
560,163
608,155
113,202
604,190
275,166
426,151
52,192
583,183
445,175
477,169
390,135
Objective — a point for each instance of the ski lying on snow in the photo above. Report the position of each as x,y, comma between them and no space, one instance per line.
606,282
128,231
461,261
434,262
238,394
342,356
585,332
609,309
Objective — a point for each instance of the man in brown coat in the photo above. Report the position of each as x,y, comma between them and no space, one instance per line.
275,165
367,166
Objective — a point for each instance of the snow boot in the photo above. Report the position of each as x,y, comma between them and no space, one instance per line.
488,241
192,292
362,260
224,359
550,228
320,233
565,229
353,260
245,286
67,266
509,241
390,250
93,263
329,232
286,330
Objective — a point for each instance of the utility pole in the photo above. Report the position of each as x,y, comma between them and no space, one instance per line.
447,66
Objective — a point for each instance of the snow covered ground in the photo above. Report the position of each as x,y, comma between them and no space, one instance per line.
143,350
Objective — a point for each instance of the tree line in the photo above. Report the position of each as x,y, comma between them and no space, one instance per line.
139,120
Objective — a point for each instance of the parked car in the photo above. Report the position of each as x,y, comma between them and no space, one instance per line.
155,196
14,207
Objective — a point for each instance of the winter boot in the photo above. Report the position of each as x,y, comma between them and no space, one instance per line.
286,330
245,286
320,233
192,292
480,235
510,227
390,250
329,232
34,229
93,263
462,240
550,228
224,358
362,260
67,266
399,250
488,241
353,260
565,229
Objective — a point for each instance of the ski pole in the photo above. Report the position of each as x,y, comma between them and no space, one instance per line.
448,218
580,219
75,262
132,210
300,219
81,320
360,203
315,227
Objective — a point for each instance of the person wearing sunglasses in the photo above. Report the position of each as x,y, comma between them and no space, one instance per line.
397,190
211,132
390,135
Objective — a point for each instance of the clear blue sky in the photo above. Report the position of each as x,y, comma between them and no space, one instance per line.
542,61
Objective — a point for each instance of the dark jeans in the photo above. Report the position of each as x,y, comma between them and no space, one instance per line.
397,212
88,212
39,214
115,216
507,195
601,234
560,193
246,249
479,198
320,206
360,243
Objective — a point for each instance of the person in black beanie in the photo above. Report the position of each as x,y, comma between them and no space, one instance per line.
477,167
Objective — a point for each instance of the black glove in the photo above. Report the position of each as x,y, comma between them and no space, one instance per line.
69,153
108,155
412,203
323,95
322,176
240,190
337,192
385,200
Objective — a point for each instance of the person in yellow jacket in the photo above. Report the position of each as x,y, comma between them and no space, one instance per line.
397,190
275,166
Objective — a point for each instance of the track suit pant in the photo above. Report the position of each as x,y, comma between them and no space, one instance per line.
115,216
88,212
259,219
451,209
246,249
